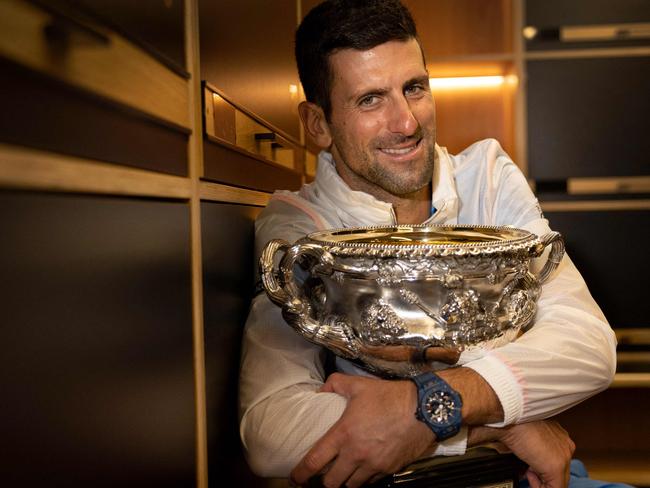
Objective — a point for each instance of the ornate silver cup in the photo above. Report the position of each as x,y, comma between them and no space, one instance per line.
400,300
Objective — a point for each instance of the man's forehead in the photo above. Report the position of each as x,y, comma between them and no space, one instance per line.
379,51
388,61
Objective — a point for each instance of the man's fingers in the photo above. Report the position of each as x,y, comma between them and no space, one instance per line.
567,473
341,471
319,456
361,476
533,479
338,383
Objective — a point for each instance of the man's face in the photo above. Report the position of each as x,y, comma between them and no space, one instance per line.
382,120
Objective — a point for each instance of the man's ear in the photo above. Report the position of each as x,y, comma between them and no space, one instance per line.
315,123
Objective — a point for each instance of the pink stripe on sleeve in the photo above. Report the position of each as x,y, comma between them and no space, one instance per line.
304,206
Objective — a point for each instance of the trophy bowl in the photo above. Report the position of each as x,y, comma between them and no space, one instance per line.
404,299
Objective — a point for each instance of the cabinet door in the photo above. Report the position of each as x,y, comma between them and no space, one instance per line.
49,115
588,117
228,270
247,52
158,26
96,370
609,249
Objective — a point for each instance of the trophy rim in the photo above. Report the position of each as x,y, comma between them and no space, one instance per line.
502,239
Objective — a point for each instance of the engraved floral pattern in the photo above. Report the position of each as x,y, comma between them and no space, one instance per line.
380,324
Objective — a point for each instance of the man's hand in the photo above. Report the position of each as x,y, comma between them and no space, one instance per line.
544,445
376,435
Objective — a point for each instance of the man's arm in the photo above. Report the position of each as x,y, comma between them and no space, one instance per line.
544,445
282,414
378,433
569,354
480,403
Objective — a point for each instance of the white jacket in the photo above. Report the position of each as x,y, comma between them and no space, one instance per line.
567,356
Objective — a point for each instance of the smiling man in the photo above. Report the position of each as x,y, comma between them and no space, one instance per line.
370,109
381,129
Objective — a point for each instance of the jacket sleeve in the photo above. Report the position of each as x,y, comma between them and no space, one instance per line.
569,353
281,413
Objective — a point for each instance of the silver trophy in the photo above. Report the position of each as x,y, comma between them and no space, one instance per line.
401,300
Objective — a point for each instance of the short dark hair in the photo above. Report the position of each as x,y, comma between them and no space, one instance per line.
345,24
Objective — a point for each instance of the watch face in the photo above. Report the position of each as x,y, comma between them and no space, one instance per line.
440,407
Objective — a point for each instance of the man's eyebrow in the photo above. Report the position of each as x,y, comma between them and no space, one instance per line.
423,80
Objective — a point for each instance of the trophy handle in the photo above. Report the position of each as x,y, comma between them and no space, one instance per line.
282,289
274,290
295,302
554,256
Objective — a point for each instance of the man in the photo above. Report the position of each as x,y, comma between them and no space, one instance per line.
370,108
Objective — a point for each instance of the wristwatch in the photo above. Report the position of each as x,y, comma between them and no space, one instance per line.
439,405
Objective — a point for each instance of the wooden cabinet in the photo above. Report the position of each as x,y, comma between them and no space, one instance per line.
242,149
247,52
228,270
73,86
107,204
97,363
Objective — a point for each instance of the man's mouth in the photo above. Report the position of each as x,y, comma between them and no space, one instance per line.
400,151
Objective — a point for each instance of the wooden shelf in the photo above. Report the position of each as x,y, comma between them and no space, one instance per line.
609,52
30,169
631,380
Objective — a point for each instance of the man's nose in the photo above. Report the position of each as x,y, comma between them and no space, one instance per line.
402,120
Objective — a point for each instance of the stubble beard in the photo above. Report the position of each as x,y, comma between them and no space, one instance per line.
411,179
373,177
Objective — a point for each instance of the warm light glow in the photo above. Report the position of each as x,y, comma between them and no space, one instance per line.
471,81
529,32
293,89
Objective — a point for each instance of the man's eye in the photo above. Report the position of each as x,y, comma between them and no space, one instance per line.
413,90
368,101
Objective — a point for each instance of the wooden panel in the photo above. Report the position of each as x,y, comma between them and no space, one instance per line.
29,169
97,378
233,124
550,13
607,247
462,27
467,115
611,435
247,52
230,194
115,69
558,13
49,115
228,269
154,25
225,163
588,117
306,6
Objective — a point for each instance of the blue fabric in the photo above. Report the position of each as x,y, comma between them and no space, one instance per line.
580,479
